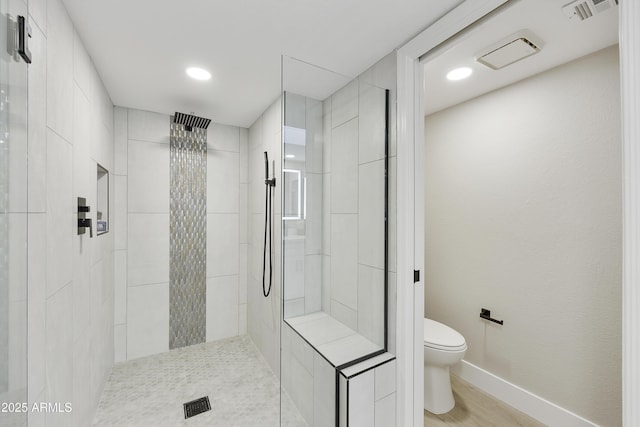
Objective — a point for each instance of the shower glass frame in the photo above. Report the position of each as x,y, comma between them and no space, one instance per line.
299,79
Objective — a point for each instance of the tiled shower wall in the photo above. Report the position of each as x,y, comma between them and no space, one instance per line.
141,323
264,313
70,335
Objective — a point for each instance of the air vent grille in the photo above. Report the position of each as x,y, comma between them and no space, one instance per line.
585,9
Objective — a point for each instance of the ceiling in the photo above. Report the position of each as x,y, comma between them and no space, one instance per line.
141,48
560,38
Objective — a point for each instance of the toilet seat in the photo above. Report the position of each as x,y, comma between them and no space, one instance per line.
442,337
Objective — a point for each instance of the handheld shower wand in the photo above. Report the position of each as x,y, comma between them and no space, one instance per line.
270,184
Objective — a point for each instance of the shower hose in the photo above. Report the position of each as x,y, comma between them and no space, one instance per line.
268,224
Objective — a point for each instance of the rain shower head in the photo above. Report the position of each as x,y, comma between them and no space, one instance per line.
190,121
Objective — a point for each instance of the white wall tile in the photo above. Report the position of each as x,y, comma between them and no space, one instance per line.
326,283
345,104
148,253
59,69
393,215
326,213
361,400
371,303
18,175
148,178
223,188
313,223
18,345
342,406
119,212
244,156
272,122
242,319
148,126
294,268
120,139
244,213
82,296
82,373
327,130
344,168
324,392
38,12
371,214
102,145
243,274
391,306
223,137
344,259
82,67
312,283
222,245
372,124
37,419
147,320
295,111
59,360
222,307
120,286
385,379
385,411
293,307
314,136
37,254
302,390
17,251
302,352
61,228
37,146
344,314
120,343
84,168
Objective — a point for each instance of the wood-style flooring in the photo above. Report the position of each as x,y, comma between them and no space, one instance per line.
475,408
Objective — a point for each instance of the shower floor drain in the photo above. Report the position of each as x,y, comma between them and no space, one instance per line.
196,407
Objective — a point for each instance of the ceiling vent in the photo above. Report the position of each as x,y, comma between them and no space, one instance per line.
585,9
512,49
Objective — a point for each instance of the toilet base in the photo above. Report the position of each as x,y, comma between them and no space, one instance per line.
438,397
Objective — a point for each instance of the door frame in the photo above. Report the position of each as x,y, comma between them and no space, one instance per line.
410,204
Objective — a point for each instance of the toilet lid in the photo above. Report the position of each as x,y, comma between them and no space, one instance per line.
439,336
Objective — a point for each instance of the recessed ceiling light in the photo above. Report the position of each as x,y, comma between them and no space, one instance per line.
459,73
290,156
198,73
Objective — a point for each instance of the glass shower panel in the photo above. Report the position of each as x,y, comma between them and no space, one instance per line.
334,201
13,219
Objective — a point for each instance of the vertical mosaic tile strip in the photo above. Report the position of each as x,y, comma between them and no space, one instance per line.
188,236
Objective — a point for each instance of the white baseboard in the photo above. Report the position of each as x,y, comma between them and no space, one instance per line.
519,398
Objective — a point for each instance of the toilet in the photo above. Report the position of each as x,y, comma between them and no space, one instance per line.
443,347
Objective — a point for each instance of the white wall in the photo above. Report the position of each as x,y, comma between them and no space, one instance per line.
523,216
264,314
70,335
141,224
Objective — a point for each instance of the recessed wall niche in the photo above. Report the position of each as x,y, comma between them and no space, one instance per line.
102,208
